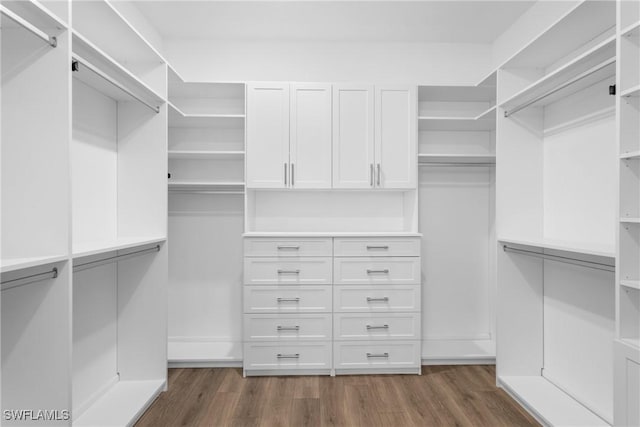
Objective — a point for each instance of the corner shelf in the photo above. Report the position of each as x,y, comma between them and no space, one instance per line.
206,186
179,119
607,251
205,155
630,220
631,155
96,248
631,92
12,264
457,158
632,284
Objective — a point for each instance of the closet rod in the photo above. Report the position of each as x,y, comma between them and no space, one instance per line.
461,164
25,280
111,259
559,258
75,64
51,40
562,86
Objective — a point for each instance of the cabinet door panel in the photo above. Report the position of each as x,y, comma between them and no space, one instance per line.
310,148
267,135
353,155
395,136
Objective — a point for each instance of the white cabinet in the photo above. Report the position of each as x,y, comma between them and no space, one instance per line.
374,136
310,133
353,127
267,135
289,137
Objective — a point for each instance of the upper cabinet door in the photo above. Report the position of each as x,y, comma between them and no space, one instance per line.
267,154
353,155
396,134
310,148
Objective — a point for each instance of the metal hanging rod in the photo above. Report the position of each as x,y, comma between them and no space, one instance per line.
562,86
460,164
51,40
25,280
115,258
559,258
75,66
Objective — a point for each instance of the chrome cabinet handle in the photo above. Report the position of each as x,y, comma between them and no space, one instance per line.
371,174
378,174
279,300
285,174
288,356
288,271
383,299
369,327
369,248
385,271
288,328
380,355
292,179
292,247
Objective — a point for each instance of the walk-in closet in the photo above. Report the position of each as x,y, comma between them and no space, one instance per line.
315,213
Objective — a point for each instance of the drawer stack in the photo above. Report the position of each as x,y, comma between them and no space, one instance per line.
376,305
287,306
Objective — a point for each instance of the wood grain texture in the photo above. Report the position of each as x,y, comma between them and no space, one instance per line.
463,395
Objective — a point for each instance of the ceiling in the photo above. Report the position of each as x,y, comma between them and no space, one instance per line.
452,21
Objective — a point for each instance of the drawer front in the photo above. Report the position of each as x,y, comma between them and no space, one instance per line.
348,326
288,327
371,270
379,299
307,355
272,247
292,271
375,354
389,246
287,299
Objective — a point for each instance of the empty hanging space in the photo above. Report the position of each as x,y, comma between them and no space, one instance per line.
556,217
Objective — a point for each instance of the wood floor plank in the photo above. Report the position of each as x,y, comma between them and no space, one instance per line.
442,396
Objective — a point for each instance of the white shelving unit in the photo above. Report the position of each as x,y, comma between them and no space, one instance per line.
556,216
456,160
627,345
206,189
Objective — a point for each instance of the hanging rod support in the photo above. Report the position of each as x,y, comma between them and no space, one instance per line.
75,66
51,40
115,258
570,82
559,258
25,280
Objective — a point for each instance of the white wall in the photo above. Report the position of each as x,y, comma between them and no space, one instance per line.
415,63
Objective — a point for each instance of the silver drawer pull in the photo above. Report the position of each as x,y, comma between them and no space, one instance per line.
288,299
377,327
288,328
289,356
288,247
379,355
385,271
383,299
384,248
288,271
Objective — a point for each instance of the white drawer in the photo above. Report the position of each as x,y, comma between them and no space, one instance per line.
287,299
388,246
375,354
288,271
308,355
372,270
348,326
287,327
379,299
263,246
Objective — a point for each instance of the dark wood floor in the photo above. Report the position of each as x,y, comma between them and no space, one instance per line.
442,396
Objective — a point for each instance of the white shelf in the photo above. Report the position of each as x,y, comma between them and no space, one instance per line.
607,251
96,248
35,13
205,155
604,50
122,404
630,220
330,234
632,284
180,89
632,30
548,403
457,158
634,343
205,186
479,93
179,119
631,155
85,51
631,92
457,123
12,264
